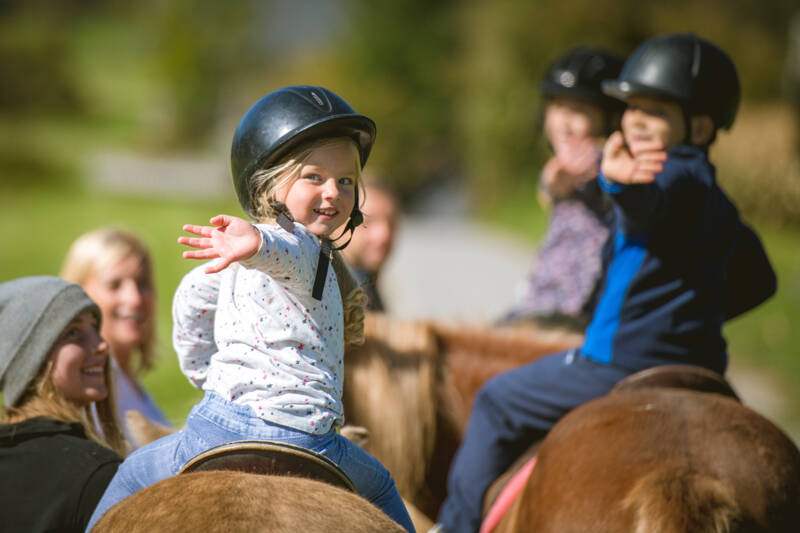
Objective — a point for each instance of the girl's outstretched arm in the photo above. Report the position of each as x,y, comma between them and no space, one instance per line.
228,238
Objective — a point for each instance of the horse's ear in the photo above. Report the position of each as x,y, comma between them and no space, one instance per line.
143,430
358,435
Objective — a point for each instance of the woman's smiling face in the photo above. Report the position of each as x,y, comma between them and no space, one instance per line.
124,292
79,361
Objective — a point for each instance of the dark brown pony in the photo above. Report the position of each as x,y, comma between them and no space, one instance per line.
228,501
412,385
661,461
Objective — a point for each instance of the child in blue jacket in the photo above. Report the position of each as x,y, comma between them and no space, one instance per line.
679,262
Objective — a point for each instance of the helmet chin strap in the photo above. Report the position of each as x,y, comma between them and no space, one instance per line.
322,268
327,247
355,220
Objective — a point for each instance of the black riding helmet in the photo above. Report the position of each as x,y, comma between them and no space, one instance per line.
685,68
579,74
285,119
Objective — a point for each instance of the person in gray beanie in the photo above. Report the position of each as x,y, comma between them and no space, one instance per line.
60,442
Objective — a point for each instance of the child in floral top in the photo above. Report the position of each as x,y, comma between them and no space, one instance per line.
262,329
560,287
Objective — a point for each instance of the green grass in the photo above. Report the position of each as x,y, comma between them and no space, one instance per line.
39,225
765,339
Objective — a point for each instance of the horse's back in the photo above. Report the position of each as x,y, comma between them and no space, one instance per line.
227,501
663,460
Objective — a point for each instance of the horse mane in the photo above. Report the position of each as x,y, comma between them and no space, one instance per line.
670,501
391,389
412,383
474,354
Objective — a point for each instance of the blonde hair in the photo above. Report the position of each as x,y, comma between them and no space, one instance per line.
264,207
43,398
98,250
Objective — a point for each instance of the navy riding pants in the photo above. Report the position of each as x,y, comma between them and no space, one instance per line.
511,411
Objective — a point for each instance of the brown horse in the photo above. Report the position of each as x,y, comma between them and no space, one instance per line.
661,460
412,385
228,501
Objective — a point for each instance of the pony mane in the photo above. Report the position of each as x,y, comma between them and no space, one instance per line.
666,501
390,388
474,354
412,384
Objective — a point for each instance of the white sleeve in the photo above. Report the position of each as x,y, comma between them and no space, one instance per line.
193,310
290,258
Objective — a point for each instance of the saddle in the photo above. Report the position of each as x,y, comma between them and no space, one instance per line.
688,377
678,377
270,458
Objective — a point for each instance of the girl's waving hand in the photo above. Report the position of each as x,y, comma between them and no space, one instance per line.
228,238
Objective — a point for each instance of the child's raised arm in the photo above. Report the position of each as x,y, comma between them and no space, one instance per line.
574,164
228,238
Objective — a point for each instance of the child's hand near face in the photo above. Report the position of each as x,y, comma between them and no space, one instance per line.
573,164
233,239
622,166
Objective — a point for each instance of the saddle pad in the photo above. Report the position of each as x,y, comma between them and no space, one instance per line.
507,496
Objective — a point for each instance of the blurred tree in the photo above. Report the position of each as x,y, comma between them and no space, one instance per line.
37,81
34,58
398,58
203,46
454,85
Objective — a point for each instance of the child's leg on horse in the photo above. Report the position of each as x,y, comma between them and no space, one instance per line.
224,421
510,412
371,479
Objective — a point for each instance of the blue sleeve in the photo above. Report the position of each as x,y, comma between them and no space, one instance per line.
676,191
750,279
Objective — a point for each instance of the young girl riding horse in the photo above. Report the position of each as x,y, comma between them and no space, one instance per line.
262,329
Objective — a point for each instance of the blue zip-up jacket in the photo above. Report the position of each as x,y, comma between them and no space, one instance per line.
675,245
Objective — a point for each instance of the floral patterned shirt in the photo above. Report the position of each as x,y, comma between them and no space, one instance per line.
254,335
568,265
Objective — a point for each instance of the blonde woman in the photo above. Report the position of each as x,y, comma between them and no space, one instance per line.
60,443
114,268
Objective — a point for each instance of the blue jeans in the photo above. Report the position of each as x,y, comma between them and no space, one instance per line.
510,412
215,421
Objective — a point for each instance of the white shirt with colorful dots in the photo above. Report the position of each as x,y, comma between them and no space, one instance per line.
253,334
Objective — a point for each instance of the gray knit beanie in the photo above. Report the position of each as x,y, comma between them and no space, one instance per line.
34,311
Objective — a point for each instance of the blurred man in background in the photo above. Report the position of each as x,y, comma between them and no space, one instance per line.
373,240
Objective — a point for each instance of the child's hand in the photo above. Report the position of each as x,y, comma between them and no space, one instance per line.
573,165
623,167
232,240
